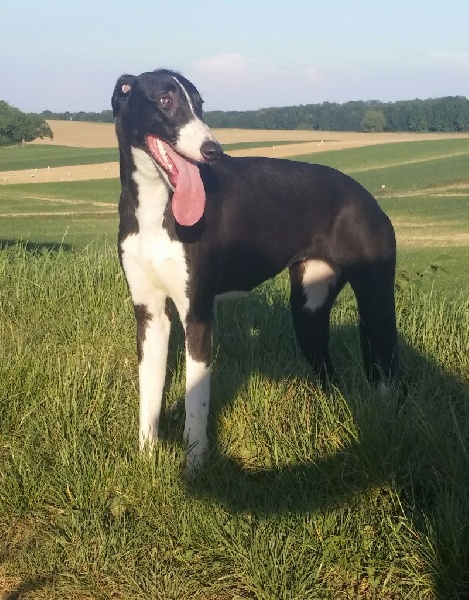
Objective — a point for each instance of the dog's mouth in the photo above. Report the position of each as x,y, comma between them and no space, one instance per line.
188,201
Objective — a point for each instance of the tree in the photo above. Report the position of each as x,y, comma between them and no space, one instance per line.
373,120
416,116
17,127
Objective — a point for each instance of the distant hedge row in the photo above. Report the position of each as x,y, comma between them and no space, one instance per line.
449,114
442,114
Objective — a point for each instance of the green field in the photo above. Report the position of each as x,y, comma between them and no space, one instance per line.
426,190
15,158
307,495
74,213
403,154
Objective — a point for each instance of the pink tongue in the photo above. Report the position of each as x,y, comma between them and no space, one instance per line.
188,201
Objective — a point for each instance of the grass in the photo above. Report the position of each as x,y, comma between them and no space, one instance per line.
16,158
99,190
367,158
402,167
306,494
73,213
431,222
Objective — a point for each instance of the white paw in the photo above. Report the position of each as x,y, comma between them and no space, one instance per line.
195,458
147,442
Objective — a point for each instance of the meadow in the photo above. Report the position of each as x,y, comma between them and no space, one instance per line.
307,494
41,156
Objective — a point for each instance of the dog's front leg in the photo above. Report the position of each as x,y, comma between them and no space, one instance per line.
153,326
198,358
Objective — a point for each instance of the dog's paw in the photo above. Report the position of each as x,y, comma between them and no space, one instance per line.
147,444
195,459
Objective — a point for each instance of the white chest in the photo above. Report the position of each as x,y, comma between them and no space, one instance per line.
150,253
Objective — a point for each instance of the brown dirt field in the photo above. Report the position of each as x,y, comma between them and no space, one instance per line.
80,134
308,142
102,135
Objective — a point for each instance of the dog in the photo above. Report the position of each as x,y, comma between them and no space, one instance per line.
197,225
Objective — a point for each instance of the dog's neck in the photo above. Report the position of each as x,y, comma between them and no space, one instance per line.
153,192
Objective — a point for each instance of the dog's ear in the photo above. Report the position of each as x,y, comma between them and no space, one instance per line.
121,92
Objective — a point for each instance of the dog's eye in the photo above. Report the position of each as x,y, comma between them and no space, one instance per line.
165,101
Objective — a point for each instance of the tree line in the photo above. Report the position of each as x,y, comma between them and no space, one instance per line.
449,114
105,116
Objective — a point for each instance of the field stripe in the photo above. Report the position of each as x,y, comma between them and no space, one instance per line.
59,214
58,174
443,191
404,163
68,201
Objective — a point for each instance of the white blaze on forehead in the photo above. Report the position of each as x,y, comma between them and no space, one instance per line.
193,134
186,94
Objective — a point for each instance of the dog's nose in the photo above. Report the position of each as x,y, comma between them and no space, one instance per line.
211,150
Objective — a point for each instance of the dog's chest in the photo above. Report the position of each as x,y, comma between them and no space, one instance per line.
162,259
166,260
155,264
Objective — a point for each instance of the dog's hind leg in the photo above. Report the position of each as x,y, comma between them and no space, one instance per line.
314,288
373,285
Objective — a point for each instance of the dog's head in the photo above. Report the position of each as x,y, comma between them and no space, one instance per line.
160,112
164,105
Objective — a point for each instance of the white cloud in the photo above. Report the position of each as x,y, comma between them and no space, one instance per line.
234,82
314,76
223,63
456,59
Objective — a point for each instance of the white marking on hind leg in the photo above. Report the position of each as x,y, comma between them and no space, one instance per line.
197,407
318,277
383,389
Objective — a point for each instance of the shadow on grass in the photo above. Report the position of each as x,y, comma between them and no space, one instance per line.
417,445
35,247
26,588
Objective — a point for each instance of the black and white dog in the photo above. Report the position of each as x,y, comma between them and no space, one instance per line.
196,225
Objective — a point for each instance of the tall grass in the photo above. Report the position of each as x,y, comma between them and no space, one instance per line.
306,494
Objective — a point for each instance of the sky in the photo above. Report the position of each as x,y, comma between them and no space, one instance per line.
240,54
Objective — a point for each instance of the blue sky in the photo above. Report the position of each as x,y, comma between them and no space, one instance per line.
241,54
